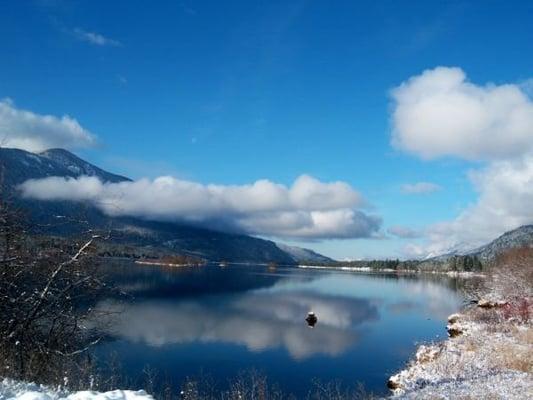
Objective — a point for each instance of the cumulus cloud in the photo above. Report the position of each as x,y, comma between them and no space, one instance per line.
403,232
504,202
95,38
440,113
420,188
309,209
35,132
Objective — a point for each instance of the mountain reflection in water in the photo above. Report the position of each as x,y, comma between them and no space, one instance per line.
367,324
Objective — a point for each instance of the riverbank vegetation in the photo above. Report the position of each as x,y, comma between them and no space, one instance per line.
453,263
249,385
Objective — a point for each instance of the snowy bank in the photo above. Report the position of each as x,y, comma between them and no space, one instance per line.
489,354
481,360
12,390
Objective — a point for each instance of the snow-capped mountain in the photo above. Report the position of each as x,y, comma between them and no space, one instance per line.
482,256
520,237
79,167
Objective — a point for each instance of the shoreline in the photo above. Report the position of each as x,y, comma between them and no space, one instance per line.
483,357
164,264
462,274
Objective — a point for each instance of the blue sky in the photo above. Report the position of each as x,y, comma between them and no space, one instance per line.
232,92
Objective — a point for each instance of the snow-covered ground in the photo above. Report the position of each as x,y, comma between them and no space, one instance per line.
510,385
12,390
483,360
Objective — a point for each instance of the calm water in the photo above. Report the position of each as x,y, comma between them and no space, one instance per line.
183,322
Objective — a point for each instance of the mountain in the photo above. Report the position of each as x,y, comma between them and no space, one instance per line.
300,254
20,165
79,167
129,236
520,237
478,258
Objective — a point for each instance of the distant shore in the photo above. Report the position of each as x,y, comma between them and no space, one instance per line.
464,274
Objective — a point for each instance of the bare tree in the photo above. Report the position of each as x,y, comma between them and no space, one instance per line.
46,293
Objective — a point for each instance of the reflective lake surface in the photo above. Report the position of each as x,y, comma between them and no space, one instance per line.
220,321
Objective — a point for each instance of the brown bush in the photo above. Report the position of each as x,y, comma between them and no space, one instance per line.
510,279
511,275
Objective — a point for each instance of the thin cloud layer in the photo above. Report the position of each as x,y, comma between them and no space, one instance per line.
420,188
403,232
440,113
94,38
33,132
504,202
309,209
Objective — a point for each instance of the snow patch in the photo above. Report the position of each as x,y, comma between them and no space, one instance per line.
13,390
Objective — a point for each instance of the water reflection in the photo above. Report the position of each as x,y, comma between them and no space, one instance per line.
221,321
402,307
160,282
433,297
258,321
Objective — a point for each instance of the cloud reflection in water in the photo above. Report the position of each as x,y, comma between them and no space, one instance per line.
259,321
261,312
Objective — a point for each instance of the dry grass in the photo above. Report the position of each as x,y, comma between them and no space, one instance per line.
514,357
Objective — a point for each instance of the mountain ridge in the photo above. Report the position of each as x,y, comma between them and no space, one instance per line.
481,257
519,237
300,254
79,166
19,165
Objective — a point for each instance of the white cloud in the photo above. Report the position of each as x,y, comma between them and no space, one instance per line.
35,132
95,38
403,232
505,202
441,113
309,209
420,188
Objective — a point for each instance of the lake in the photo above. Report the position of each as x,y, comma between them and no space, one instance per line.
220,321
